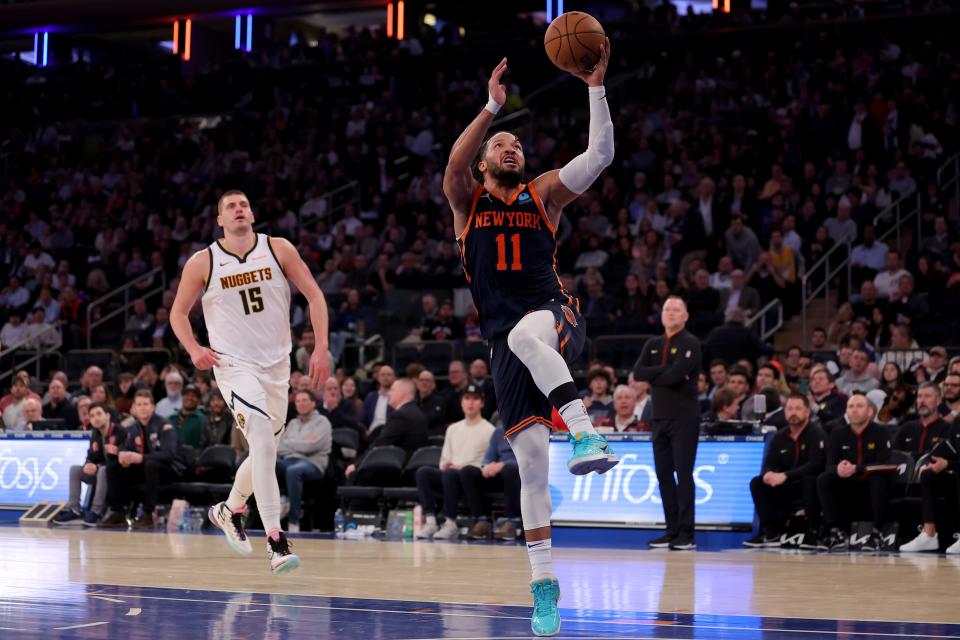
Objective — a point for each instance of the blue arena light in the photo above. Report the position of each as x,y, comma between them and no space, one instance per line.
249,31
236,33
46,41
36,48
559,7
549,11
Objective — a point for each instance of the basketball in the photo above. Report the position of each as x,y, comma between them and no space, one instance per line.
573,41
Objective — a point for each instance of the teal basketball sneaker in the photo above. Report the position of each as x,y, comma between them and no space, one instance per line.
546,615
591,453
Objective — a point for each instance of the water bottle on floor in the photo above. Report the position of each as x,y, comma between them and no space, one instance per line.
339,522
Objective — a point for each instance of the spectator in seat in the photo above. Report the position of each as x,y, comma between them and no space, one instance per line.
32,412
480,376
431,403
376,406
934,368
83,412
740,383
718,376
11,406
906,306
845,484
148,456
857,378
190,421
724,406
106,438
41,334
405,428
741,242
458,379
498,472
826,402
15,331
59,407
303,453
173,383
333,408
92,376
869,301
141,323
218,427
351,403
125,390
904,350
950,407
795,458
732,341
443,326
869,257
888,280
597,396
465,445
625,417
722,278
740,295
147,378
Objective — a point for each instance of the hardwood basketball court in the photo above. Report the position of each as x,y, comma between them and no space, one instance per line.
69,583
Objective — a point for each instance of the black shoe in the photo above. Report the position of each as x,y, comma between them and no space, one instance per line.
663,541
683,542
837,540
812,541
874,542
762,541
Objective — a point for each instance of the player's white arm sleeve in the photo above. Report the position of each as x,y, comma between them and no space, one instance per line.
582,171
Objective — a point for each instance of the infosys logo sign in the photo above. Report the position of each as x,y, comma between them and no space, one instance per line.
636,483
28,473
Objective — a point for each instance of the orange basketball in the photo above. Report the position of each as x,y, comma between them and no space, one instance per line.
573,40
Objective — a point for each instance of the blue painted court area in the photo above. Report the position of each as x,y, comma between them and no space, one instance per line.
101,611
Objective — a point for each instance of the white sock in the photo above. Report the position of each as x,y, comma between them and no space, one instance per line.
242,486
575,416
430,520
541,560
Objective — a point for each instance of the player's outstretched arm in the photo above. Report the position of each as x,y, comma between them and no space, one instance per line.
458,181
192,282
298,273
558,188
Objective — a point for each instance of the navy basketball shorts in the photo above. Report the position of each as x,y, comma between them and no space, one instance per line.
519,400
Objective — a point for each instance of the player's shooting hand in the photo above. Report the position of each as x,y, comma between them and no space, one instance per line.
498,92
203,358
319,366
594,77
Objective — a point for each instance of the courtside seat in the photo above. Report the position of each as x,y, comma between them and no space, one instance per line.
407,491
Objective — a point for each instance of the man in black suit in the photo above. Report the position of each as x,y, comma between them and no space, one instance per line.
711,217
407,425
732,341
740,295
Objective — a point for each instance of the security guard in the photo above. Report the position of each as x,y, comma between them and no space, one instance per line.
846,482
795,457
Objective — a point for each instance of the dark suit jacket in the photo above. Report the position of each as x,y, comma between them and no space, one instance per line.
732,341
749,300
405,428
370,406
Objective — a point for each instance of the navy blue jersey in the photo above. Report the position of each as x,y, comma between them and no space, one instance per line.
509,255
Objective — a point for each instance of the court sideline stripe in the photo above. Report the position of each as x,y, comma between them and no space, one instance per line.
577,620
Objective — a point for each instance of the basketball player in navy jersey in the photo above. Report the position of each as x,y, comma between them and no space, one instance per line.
506,231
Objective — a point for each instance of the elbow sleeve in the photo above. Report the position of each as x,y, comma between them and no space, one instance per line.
582,171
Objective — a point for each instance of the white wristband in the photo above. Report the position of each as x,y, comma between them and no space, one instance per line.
492,106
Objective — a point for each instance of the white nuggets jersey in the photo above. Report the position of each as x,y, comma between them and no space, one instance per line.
246,305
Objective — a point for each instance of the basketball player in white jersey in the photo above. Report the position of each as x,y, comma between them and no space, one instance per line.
241,281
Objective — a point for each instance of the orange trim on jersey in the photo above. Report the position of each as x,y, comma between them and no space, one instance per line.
526,423
543,214
473,210
563,344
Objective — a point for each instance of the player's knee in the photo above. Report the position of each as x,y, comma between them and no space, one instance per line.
519,341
